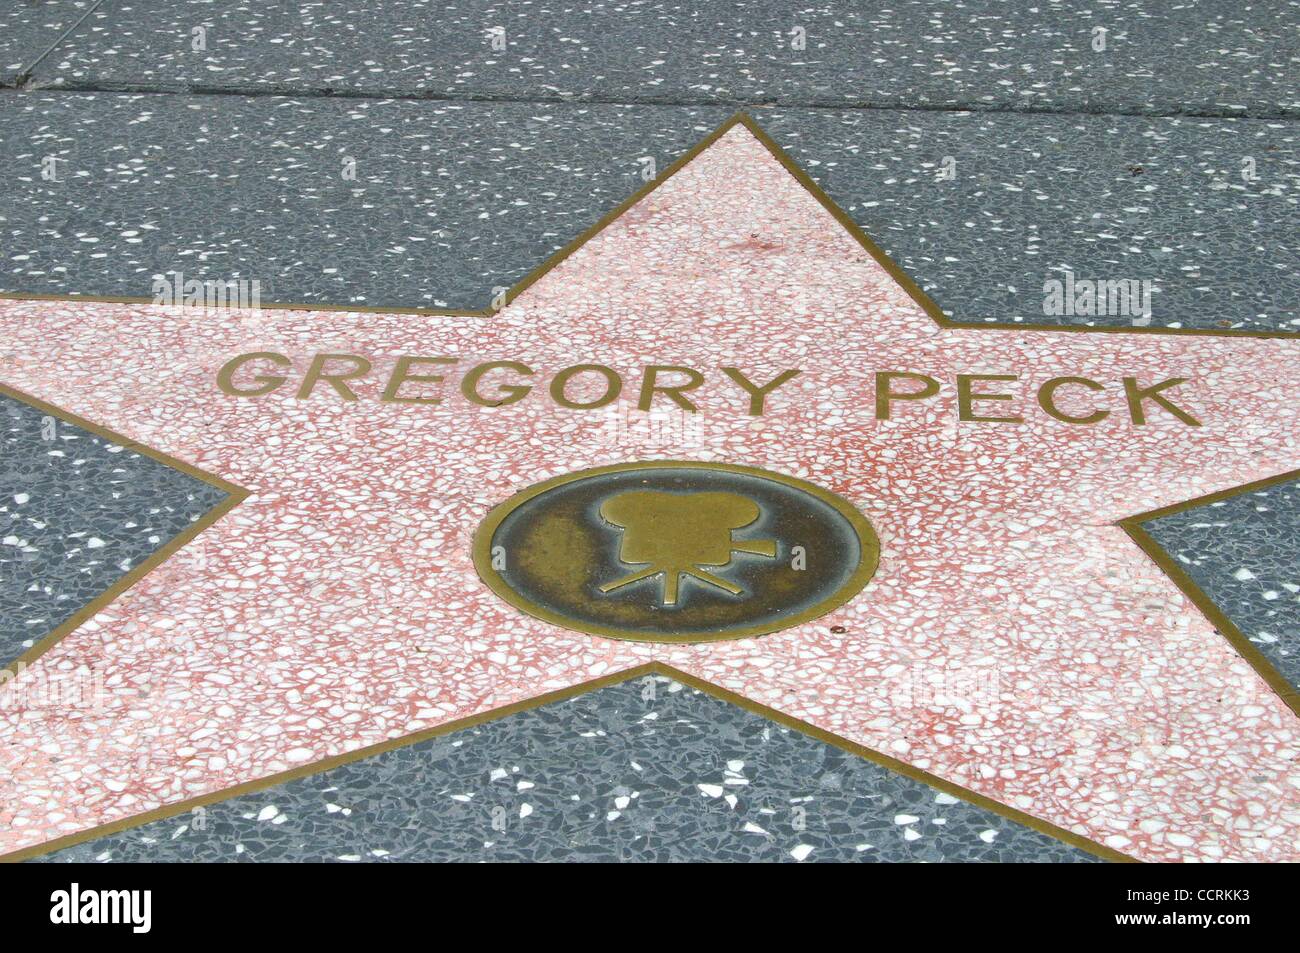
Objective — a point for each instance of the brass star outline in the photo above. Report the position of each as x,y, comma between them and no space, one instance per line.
236,494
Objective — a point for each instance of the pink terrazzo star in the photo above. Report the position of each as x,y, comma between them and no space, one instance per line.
1014,640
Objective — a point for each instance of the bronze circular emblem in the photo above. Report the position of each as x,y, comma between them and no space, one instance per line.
671,551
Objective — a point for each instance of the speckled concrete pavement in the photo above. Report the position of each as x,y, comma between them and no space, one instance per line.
77,513
645,770
1205,57
435,204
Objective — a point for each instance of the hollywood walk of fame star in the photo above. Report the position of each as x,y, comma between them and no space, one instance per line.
1013,640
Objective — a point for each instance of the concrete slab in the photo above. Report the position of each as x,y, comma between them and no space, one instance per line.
644,770
79,513
1243,552
30,28
1212,56
360,571
1203,210
322,201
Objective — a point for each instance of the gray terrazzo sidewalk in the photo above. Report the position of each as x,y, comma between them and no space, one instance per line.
645,770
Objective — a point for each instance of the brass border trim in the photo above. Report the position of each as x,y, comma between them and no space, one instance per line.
742,119
538,701
234,496
1216,617
866,568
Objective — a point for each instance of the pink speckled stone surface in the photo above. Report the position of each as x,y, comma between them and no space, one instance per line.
1013,640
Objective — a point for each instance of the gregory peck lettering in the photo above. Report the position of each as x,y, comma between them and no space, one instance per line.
410,379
